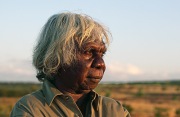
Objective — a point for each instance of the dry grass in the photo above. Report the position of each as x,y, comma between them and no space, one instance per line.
6,105
142,100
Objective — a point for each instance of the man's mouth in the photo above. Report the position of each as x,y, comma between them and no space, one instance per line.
95,79
95,76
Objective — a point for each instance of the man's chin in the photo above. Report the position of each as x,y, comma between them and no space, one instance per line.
84,88
83,91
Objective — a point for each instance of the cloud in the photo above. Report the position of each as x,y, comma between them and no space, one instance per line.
23,67
124,69
129,72
17,70
22,70
121,72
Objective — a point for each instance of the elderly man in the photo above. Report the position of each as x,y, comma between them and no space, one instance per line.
69,61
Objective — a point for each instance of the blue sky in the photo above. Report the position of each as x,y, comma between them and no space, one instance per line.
145,44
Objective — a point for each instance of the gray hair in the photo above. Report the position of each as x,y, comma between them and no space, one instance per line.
59,38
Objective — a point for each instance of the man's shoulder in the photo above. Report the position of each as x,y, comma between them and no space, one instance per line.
31,99
27,104
109,101
112,105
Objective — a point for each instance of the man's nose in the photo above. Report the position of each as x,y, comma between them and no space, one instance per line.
98,63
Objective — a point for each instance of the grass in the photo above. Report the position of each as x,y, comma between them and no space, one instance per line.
141,99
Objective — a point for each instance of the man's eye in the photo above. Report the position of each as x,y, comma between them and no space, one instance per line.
88,52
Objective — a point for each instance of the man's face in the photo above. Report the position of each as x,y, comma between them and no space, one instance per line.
88,70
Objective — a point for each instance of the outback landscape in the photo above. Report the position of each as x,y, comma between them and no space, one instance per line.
142,99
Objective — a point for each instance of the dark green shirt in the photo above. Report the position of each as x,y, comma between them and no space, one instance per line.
50,102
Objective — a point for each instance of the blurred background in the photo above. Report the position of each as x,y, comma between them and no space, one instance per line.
145,44
143,58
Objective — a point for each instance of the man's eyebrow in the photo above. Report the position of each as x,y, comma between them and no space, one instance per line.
96,47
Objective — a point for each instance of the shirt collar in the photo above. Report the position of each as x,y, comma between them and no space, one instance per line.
50,91
95,99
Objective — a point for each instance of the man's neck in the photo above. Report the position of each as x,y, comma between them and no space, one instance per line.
79,97
74,93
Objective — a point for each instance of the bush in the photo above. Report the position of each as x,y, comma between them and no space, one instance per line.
139,93
128,107
17,90
161,112
178,112
108,93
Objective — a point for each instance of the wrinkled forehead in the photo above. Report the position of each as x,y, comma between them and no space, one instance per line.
95,39
96,45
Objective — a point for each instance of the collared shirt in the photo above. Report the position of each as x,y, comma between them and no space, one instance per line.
50,102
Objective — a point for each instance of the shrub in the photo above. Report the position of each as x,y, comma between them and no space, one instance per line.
161,112
139,93
108,93
178,112
128,107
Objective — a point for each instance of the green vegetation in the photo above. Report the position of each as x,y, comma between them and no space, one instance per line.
143,99
4,112
20,89
178,112
128,107
161,112
139,93
108,93
17,89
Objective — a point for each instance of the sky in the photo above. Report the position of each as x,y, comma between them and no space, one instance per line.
145,43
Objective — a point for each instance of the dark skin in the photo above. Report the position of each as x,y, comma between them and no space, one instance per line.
83,76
